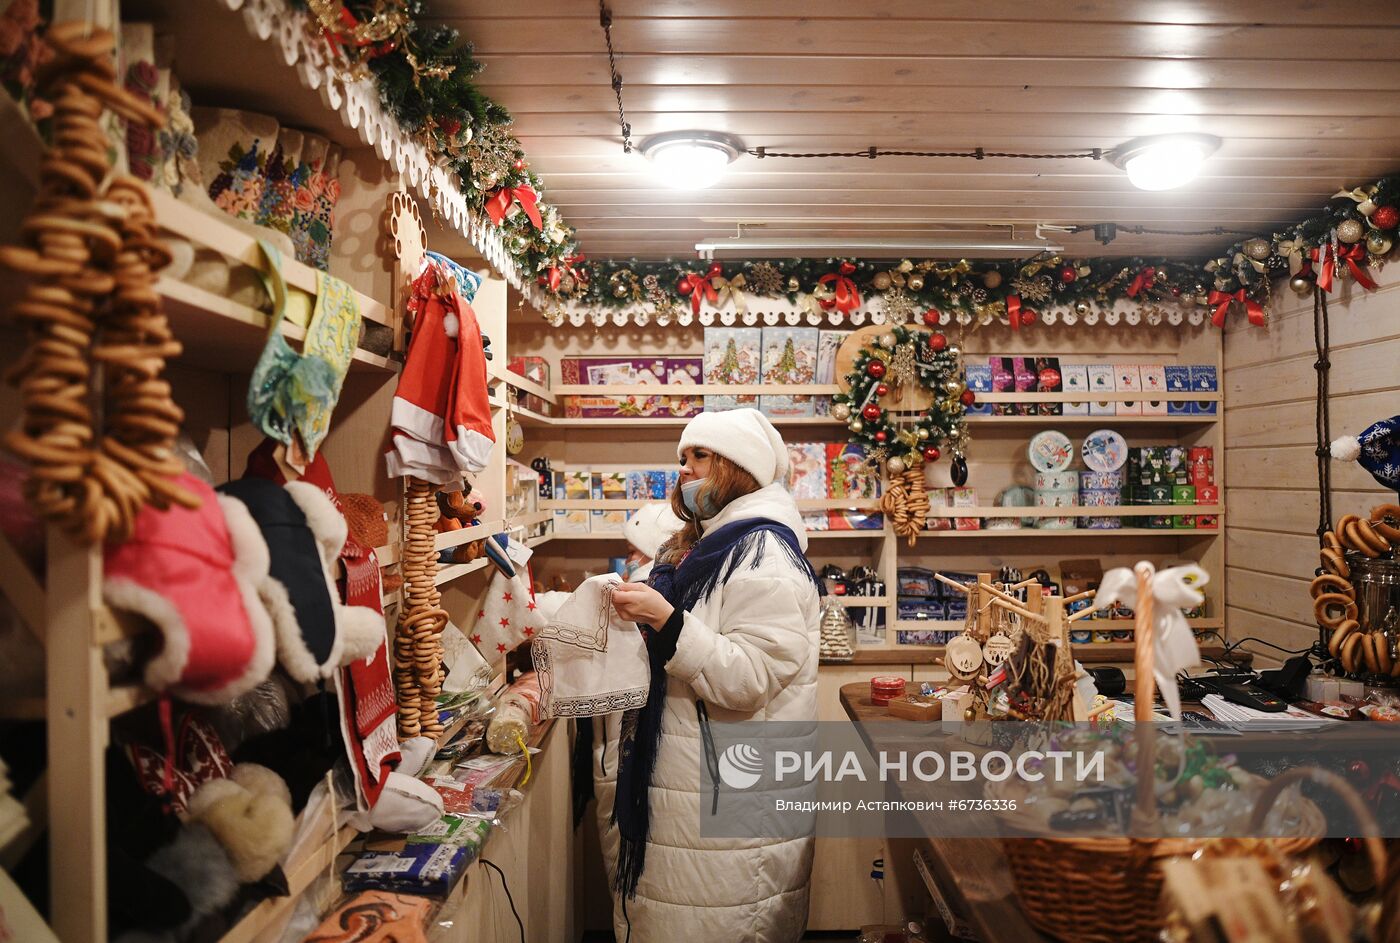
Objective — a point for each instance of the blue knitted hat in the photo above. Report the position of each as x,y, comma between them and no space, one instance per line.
1377,449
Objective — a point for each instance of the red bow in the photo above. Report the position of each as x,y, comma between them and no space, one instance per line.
697,286
1355,257
346,37
556,274
1221,301
1143,279
498,203
846,298
1016,314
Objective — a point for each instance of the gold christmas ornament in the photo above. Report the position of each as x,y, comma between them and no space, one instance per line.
916,282
1350,231
856,426
1081,308
1378,243
793,285
1257,249
991,279
1301,285
840,411
881,281
895,465
887,340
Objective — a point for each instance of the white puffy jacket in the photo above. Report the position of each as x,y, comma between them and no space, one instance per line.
750,652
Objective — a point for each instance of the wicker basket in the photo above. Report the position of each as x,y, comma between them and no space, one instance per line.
1108,889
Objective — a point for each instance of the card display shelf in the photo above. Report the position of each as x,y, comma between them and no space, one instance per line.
864,534
530,418
1117,625
1119,532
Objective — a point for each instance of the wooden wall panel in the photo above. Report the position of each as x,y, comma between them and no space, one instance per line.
1269,384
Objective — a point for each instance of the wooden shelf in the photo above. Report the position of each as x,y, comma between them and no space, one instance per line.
956,625
300,875
700,389
1090,654
530,418
630,504
995,533
1127,510
873,534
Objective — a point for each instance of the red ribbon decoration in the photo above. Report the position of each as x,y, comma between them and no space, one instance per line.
498,203
1144,278
1327,268
1355,257
1016,315
1221,301
555,275
847,296
697,286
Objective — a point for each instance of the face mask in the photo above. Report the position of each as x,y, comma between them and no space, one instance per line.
690,497
629,570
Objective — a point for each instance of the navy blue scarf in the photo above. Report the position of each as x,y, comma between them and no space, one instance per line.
714,558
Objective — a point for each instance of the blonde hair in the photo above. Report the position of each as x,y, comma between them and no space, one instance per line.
725,482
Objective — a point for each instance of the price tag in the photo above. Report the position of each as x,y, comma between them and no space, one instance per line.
519,553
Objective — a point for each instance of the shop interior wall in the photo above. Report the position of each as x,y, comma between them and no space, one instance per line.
1270,384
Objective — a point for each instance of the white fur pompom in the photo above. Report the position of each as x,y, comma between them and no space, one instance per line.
1346,449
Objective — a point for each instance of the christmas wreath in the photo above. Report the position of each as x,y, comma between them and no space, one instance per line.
904,439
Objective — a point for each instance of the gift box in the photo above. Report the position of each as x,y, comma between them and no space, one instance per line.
1003,381
1154,388
1201,465
536,370
916,581
964,498
928,609
848,476
1103,523
1203,380
1024,380
604,522
1074,378
1048,379
978,378
1101,381
609,486
578,485
571,522
789,356
733,355
1101,481
1127,379
1207,495
807,478
1178,378
430,870
1057,481
1055,523
1057,499
828,346
631,371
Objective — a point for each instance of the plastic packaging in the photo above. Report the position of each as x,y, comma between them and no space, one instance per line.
517,712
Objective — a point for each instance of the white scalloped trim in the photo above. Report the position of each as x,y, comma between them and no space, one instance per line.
360,109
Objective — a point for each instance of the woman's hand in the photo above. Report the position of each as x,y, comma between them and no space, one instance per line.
638,602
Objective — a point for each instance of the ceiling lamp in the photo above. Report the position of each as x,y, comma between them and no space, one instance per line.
690,160
1164,161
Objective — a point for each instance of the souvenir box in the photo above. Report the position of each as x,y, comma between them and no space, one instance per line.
1178,377
828,346
1100,381
609,486
1074,378
979,380
1203,380
1127,379
1048,379
648,485
789,356
848,476
807,478
1154,388
631,371
732,356
536,370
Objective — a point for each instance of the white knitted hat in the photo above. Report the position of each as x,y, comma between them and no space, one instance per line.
745,437
649,526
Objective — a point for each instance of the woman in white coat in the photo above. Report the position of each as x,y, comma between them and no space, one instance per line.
731,615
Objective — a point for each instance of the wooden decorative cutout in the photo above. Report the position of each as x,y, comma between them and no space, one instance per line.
405,228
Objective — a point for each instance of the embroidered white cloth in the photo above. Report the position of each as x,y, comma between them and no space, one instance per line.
589,660
1173,643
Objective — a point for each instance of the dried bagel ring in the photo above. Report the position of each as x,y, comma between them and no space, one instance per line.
1330,583
1348,652
1385,519
1385,662
1364,532
1352,537
1334,562
1332,609
1344,531
1368,652
1329,539
1339,635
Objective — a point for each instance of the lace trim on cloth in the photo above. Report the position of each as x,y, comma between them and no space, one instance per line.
588,705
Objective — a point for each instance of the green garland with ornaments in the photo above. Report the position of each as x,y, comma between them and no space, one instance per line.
424,75
1355,233
882,373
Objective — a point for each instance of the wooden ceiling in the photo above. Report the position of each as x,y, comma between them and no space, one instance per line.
1306,94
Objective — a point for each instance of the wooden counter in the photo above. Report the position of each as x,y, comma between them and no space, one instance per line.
971,873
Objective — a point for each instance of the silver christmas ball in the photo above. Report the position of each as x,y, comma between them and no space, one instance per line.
895,465
953,350
888,340
840,411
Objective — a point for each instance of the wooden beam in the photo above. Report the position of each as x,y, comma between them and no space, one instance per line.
20,587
